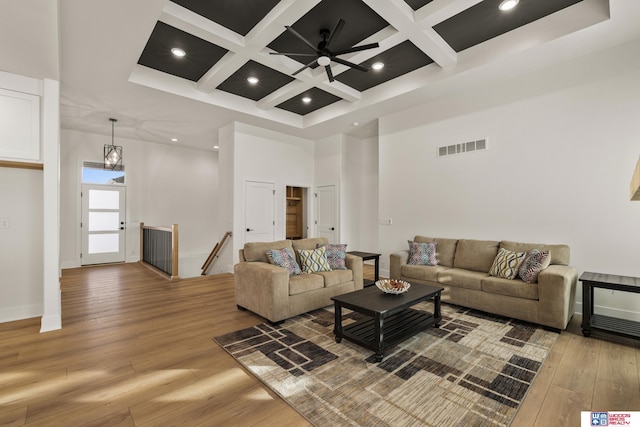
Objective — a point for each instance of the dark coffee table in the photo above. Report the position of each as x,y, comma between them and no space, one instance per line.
389,318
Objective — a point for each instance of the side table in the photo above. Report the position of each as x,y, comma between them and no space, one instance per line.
368,256
592,321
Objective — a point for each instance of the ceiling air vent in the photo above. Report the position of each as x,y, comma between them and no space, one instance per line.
465,147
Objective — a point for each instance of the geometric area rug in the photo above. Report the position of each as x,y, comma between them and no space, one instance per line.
474,370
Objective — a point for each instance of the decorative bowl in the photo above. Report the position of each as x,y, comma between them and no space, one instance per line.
393,286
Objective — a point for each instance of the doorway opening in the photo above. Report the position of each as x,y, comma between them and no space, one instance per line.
296,213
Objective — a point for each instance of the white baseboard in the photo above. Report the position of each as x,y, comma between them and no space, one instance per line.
611,312
9,314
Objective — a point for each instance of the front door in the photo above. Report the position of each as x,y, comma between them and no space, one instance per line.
327,213
103,224
259,211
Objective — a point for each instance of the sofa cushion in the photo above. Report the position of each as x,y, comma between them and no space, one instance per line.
336,277
533,264
560,254
475,255
513,288
422,253
313,260
507,264
257,251
305,283
284,258
445,248
422,272
462,278
336,254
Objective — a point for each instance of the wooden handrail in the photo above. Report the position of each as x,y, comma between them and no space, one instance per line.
214,252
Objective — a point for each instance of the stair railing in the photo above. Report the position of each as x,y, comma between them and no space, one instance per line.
159,249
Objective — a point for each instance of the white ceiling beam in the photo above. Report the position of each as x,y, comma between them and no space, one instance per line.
400,15
440,10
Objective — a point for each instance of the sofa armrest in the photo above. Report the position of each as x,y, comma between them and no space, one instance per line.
396,260
355,264
262,288
557,292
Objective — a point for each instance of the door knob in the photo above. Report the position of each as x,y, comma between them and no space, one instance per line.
333,228
249,229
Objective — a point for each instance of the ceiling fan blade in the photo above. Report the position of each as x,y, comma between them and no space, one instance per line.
305,67
329,73
350,64
357,48
295,33
336,32
293,54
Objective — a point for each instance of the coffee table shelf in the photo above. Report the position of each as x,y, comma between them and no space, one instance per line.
397,328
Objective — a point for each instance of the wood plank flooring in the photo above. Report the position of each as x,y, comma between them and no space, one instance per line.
136,350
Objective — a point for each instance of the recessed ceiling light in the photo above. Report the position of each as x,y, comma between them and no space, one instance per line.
174,139
355,124
178,52
508,5
253,80
306,99
377,65
215,147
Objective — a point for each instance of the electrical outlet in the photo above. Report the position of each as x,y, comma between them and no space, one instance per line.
5,223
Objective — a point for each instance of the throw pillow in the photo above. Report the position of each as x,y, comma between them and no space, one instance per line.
422,253
284,258
314,260
533,264
336,255
506,264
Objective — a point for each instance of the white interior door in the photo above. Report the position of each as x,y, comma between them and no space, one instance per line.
259,211
103,224
327,213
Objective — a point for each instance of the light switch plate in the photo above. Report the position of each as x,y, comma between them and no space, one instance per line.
5,223
385,221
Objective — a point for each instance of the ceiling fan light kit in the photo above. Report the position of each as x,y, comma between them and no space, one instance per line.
323,55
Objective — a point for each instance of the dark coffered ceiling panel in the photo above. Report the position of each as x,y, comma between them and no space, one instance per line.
360,23
201,55
485,21
237,15
224,60
269,80
319,99
400,59
417,4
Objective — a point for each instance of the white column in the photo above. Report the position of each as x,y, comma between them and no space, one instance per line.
52,315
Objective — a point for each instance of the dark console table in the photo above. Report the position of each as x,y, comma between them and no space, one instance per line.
592,321
367,256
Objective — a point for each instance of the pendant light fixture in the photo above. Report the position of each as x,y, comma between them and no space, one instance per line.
112,153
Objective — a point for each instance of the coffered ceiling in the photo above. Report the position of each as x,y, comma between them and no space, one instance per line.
114,58
227,42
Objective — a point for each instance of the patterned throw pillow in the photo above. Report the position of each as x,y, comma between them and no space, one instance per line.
336,255
422,253
314,260
284,258
533,264
506,264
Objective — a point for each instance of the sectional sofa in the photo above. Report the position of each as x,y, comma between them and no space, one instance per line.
463,267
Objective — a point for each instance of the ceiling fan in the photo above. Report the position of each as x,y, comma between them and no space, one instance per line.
323,54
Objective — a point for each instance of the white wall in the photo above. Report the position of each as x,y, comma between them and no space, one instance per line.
557,170
165,185
21,257
268,156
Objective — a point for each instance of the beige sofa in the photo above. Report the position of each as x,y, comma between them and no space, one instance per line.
463,271
270,292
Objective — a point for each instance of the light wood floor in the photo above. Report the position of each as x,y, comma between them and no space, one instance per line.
136,350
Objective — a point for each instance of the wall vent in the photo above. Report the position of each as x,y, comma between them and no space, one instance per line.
465,147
